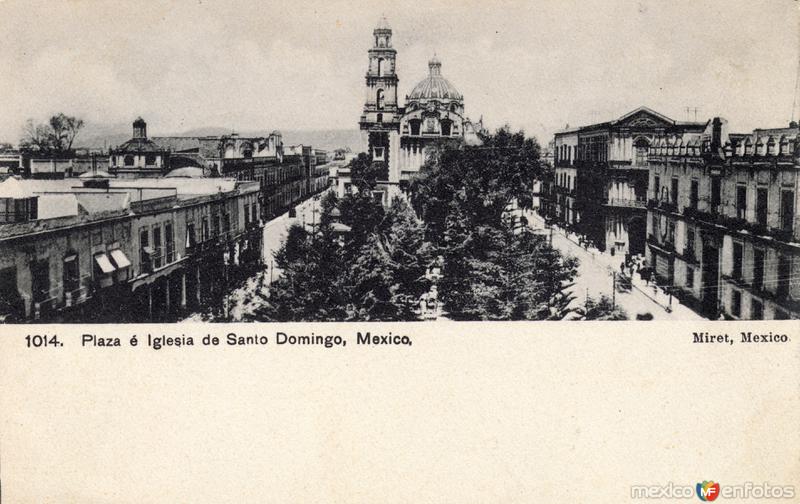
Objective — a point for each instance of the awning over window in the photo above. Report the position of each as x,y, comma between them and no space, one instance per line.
120,259
104,263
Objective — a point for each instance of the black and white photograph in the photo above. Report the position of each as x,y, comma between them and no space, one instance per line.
396,251
391,166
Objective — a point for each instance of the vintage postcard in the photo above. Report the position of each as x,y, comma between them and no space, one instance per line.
434,251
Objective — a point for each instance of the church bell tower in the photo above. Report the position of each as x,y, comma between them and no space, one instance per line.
380,118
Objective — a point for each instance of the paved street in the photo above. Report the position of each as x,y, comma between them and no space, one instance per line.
245,299
595,277
275,230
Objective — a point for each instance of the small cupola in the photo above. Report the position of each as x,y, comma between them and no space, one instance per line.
139,128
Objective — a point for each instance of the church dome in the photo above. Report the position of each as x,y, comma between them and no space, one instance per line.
435,86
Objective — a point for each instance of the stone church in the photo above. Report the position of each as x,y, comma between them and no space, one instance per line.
398,136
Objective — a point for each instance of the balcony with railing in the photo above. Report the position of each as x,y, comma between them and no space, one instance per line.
663,205
626,164
625,203
77,291
740,224
44,301
665,247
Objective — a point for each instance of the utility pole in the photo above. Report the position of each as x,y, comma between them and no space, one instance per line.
614,290
669,308
796,92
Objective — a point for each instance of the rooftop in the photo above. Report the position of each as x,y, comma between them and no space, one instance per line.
68,202
434,86
138,145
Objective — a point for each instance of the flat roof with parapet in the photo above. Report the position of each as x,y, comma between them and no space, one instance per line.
68,202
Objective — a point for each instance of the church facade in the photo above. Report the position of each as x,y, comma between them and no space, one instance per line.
399,137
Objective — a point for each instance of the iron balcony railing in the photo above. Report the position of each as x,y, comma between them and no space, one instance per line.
627,203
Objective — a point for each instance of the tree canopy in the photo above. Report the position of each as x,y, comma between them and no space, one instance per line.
376,271
463,212
53,137
494,268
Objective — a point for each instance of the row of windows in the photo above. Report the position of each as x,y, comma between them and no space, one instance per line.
18,209
567,181
781,285
597,149
156,246
676,147
786,210
566,153
271,175
129,160
103,265
756,307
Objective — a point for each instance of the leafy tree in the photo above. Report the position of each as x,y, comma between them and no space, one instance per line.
35,137
364,172
601,309
483,181
388,275
359,208
311,286
54,137
321,280
506,274
64,130
493,269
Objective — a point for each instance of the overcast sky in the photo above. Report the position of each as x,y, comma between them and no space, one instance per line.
535,65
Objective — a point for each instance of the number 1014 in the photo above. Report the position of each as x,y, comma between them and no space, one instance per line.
42,340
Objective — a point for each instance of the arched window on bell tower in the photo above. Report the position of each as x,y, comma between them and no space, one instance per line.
380,99
380,67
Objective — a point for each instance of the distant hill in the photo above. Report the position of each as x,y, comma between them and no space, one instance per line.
324,139
104,136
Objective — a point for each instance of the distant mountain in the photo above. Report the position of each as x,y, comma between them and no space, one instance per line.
101,136
325,139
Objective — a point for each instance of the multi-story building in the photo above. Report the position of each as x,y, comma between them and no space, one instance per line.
320,178
285,175
122,249
600,179
142,156
565,177
282,183
322,156
723,229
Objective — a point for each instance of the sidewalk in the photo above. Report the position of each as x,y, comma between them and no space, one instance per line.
596,277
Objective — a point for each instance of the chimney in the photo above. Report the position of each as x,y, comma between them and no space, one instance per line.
716,134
